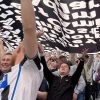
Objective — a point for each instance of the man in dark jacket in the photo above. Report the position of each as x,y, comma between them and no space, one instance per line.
62,87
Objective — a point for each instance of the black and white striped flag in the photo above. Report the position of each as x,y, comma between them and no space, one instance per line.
68,25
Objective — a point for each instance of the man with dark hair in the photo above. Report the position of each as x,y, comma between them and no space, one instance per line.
62,87
60,60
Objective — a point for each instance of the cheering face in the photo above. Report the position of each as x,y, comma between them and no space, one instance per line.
6,62
54,64
64,69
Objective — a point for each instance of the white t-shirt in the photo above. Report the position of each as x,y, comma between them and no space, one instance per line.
29,81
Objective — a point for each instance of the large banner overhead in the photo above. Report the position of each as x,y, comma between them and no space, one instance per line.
68,25
10,25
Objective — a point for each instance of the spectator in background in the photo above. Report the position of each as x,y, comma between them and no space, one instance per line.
52,64
88,77
79,89
98,82
43,90
96,78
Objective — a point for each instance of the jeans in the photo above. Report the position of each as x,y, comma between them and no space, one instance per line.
81,96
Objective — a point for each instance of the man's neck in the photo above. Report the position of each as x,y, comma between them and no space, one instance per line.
62,76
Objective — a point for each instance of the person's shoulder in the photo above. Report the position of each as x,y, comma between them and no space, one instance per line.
34,62
15,67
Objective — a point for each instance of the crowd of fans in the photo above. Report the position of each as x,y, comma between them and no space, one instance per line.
88,86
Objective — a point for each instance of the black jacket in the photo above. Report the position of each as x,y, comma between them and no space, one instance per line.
61,89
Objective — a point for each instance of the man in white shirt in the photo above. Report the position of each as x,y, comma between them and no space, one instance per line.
23,80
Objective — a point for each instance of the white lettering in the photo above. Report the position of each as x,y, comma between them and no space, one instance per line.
82,30
42,12
49,3
88,36
83,14
78,5
77,41
82,23
69,31
90,41
92,5
77,36
73,45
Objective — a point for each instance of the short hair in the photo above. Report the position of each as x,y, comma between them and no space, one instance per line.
62,58
52,59
12,60
68,63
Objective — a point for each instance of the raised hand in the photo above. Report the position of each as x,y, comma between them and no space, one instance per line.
39,33
84,53
41,49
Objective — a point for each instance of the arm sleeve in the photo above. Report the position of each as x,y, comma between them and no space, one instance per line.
44,86
36,60
77,73
80,86
90,61
47,74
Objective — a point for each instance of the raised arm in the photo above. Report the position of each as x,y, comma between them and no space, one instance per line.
29,28
2,51
47,74
78,71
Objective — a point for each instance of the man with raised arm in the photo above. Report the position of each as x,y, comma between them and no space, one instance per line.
62,87
23,80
